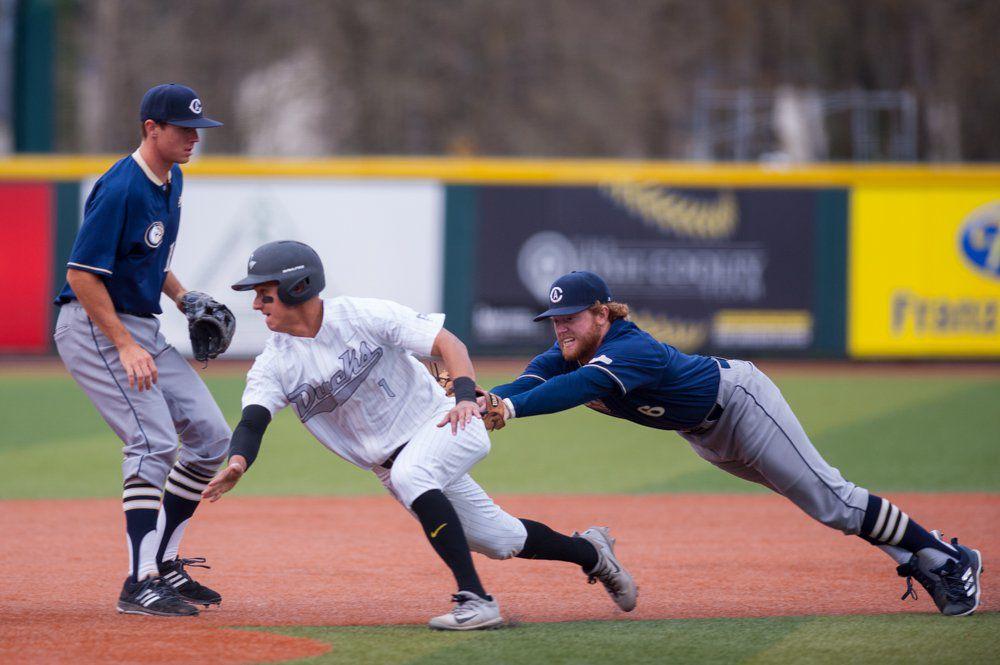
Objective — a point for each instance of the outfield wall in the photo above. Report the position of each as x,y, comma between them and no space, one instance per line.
866,262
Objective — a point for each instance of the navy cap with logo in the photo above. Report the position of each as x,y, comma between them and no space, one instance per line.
575,292
174,104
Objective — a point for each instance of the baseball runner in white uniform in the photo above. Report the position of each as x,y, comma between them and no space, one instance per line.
347,367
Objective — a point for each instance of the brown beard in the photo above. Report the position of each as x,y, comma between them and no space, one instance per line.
586,346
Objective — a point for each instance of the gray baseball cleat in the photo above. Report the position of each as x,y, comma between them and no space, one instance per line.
616,580
471,612
954,587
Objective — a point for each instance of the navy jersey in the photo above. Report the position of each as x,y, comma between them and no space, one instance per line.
130,223
631,376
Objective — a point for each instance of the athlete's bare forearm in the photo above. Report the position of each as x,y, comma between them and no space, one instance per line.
173,289
454,354
93,295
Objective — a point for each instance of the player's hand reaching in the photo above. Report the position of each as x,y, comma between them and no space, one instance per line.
139,366
460,415
225,479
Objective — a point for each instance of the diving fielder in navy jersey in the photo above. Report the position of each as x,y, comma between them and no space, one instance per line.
731,414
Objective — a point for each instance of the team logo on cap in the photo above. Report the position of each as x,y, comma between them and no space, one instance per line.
154,234
251,264
195,105
556,294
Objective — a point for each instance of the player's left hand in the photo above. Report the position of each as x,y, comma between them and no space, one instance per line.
460,415
225,479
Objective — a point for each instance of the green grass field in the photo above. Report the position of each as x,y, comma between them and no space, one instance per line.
893,433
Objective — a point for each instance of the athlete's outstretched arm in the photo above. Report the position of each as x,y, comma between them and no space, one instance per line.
543,367
562,392
243,449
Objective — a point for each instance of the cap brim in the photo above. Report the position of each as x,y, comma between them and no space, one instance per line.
561,311
250,281
199,123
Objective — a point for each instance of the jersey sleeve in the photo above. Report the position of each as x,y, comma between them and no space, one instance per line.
97,241
543,367
563,392
264,383
627,365
398,325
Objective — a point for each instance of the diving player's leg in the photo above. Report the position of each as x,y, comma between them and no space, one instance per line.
142,421
204,437
433,459
766,437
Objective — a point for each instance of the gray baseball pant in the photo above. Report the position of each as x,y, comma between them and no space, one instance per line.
149,423
758,438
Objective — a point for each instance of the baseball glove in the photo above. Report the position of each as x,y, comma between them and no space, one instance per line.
210,324
444,379
494,412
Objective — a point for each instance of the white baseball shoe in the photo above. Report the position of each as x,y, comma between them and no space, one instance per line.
616,580
471,612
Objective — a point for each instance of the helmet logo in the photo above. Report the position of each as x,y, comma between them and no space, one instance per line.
251,264
293,268
556,294
195,105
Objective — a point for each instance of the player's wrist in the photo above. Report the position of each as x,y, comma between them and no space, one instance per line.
465,389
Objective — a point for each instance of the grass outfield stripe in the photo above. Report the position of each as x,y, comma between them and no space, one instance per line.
890,433
901,638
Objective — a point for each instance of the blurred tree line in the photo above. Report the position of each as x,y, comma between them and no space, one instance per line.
574,78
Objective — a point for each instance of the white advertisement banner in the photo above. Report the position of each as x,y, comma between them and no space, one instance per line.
379,239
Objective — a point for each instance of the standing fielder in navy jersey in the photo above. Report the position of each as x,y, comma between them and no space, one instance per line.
109,338
731,414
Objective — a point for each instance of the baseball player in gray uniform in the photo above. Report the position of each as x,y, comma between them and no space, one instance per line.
347,366
108,336
731,414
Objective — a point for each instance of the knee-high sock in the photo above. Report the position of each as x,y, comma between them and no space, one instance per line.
886,525
544,543
180,499
141,501
444,531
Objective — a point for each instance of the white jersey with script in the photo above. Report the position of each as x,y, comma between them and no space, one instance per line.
356,386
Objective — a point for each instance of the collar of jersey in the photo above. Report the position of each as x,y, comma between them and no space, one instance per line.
148,171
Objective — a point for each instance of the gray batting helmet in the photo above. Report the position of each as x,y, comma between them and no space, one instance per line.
295,266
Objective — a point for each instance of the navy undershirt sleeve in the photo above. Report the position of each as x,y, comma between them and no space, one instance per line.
564,392
249,433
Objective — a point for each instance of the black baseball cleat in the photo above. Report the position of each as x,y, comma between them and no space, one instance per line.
173,573
153,597
954,587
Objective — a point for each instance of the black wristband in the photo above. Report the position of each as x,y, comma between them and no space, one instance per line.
465,389
249,432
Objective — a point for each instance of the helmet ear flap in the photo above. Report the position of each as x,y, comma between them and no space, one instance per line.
297,292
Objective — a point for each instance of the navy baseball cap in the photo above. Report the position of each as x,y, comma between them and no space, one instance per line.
174,104
575,292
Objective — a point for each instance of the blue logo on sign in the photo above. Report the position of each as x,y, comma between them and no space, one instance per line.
981,239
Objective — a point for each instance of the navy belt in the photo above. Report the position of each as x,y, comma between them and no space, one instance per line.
144,315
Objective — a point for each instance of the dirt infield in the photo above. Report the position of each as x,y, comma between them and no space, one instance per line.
359,561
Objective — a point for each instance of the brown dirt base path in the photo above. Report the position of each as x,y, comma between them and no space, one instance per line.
350,561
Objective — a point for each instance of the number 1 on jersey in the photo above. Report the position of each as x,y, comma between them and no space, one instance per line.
386,388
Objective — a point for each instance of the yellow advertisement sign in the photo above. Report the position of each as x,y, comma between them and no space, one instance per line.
925,271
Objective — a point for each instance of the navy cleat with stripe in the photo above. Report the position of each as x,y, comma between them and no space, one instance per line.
173,573
954,587
153,597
